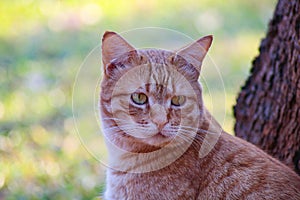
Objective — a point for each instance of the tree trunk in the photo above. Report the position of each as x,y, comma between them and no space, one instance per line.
267,111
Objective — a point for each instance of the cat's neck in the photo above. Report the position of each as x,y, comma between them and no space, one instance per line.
126,161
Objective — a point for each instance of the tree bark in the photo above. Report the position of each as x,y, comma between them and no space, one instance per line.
267,111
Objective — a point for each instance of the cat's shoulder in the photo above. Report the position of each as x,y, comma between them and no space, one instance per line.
246,156
243,150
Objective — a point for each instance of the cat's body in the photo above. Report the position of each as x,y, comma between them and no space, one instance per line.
156,127
234,170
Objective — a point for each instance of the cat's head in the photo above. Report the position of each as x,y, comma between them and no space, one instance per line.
149,95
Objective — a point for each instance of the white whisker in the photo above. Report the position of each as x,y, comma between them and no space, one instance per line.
195,129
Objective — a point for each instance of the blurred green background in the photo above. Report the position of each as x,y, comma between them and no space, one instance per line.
43,43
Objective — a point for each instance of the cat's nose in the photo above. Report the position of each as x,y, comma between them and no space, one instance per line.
158,115
160,122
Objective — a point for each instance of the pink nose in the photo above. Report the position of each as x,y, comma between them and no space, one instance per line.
158,116
160,122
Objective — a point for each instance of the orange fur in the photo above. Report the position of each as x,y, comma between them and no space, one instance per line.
155,149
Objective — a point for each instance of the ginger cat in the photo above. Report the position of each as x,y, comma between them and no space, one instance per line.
164,144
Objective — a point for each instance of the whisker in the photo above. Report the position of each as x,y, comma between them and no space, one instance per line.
115,119
193,143
196,129
185,136
128,127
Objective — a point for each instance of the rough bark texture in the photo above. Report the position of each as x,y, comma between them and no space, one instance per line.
268,107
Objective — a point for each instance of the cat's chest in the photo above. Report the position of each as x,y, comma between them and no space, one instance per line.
154,185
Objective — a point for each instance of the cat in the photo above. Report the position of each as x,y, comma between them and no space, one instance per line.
164,144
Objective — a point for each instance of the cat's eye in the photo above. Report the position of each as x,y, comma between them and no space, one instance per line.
139,98
178,100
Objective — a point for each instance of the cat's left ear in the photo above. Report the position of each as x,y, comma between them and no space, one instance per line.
195,52
114,46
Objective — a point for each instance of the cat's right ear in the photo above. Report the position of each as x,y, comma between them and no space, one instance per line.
113,46
195,52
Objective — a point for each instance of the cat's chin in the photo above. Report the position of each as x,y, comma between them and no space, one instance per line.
158,139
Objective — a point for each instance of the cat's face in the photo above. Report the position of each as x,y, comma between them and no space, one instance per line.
149,96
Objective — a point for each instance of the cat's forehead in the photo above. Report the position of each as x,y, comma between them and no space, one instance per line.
159,72
157,56
160,75
155,74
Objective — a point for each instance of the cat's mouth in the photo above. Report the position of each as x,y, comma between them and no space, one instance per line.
163,136
159,139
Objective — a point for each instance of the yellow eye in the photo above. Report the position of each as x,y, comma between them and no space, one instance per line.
139,98
178,100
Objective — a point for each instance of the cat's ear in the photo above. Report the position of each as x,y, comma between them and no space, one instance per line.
195,52
113,46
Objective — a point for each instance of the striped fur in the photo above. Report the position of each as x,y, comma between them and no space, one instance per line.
148,162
